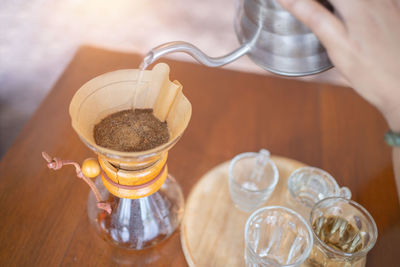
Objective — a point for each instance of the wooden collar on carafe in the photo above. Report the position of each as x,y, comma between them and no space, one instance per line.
135,183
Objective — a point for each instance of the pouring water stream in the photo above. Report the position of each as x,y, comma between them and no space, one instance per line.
184,47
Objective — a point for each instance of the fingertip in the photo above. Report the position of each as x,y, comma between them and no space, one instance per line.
328,28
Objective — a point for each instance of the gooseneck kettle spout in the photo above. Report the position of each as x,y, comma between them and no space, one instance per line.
269,35
195,52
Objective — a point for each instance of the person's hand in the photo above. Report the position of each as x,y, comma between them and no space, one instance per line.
364,45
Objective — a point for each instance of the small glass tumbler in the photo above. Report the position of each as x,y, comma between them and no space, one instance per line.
252,179
276,236
308,185
344,232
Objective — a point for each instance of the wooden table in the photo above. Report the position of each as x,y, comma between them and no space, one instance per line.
44,220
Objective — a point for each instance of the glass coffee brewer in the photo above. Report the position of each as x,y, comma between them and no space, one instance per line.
135,203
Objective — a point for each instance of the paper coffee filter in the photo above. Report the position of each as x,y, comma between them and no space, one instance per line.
118,90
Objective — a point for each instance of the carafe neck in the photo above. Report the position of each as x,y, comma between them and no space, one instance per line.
134,181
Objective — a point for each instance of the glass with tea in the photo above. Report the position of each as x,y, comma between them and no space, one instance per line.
344,232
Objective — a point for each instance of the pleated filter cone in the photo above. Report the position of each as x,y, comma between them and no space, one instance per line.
119,90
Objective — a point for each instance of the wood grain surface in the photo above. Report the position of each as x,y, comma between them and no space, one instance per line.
44,220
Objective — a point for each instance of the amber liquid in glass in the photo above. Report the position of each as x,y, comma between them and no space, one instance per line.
338,233
341,235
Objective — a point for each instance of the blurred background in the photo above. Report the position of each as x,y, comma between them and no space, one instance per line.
38,38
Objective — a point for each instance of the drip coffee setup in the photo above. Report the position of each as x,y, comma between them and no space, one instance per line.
135,203
257,209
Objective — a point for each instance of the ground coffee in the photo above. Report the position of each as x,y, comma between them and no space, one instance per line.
131,131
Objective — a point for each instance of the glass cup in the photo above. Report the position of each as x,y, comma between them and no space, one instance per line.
276,236
308,185
344,232
252,179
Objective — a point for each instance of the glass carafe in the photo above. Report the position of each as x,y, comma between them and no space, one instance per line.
138,223
144,202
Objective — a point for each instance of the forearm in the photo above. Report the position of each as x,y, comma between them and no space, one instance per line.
356,54
396,167
393,120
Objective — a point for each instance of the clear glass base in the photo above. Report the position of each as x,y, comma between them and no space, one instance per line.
138,223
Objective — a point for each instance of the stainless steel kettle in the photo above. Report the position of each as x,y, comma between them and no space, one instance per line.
269,35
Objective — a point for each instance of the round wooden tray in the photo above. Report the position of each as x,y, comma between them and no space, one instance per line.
212,231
